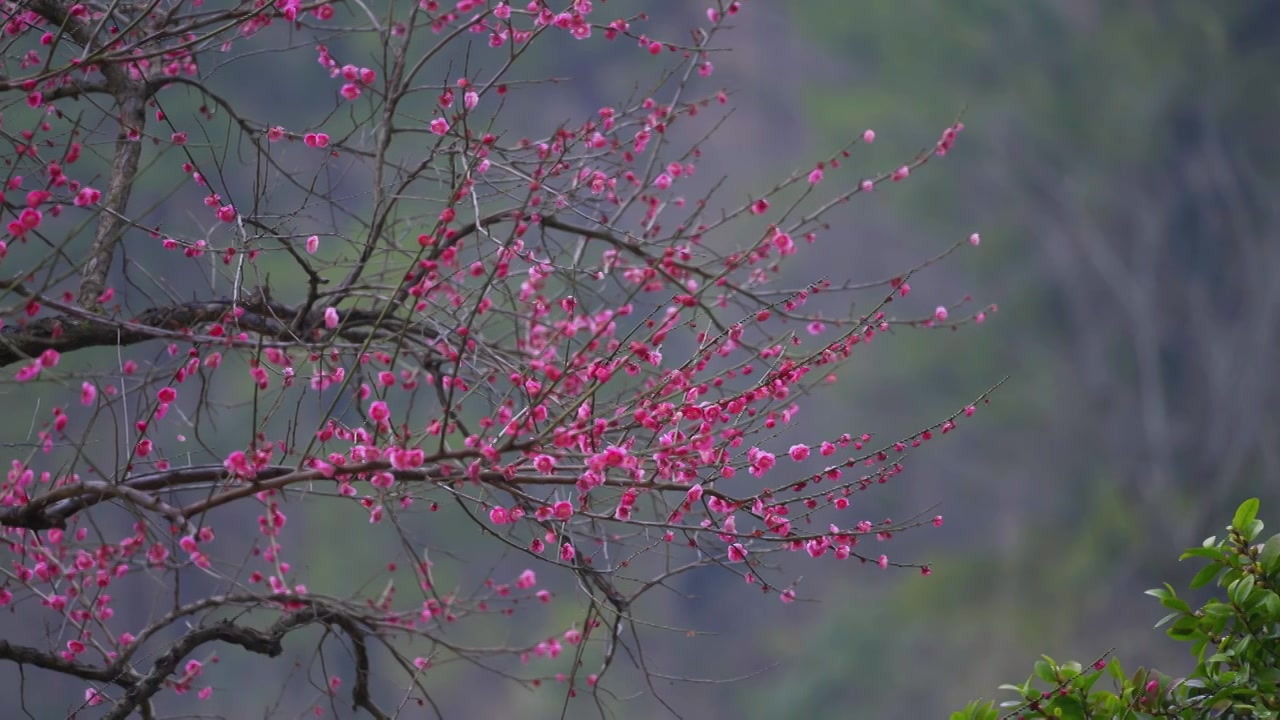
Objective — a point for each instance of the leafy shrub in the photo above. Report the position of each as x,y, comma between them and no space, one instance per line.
1235,639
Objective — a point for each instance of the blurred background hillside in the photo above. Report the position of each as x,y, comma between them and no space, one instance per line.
1120,163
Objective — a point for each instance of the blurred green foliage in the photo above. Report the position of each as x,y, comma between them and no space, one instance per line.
1235,640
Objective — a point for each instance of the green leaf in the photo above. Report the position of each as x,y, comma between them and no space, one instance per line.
1269,558
1252,530
977,710
1046,672
1245,514
1211,553
1240,589
1085,682
1270,607
1066,707
1218,708
1206,575
1213,608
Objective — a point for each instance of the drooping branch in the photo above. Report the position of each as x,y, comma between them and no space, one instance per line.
267,642
23,655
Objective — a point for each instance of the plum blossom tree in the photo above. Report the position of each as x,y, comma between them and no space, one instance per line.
527,354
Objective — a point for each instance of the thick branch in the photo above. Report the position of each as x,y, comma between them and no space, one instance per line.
79,330
252,640
24,655
130,97
263,642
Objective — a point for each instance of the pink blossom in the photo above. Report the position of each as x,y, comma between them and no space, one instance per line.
526,580
940,313
30,218
567,553
694,494
407,459
331,317
788,596
87,196
799,452
869,136
499,516
237,464
562,510
815,176
883,562
378,411
313,244
975,239
737,553
762,463
901,174
439,126
227,213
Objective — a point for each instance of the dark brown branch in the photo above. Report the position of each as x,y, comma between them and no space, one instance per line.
72,89
263,642
24,655
54,508
81,330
